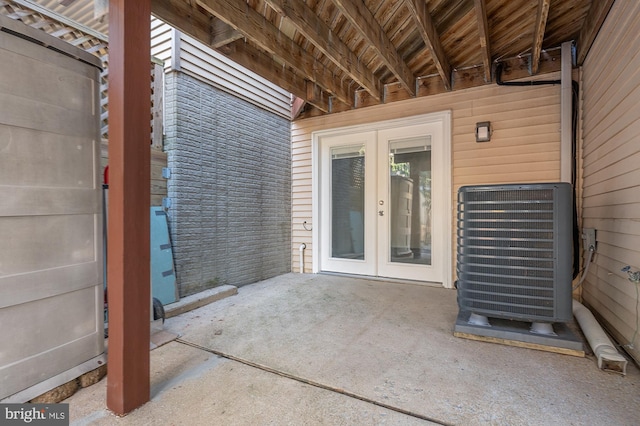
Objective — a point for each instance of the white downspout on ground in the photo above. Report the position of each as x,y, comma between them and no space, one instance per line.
608,356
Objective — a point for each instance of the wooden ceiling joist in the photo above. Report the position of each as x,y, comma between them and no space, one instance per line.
195,22
341,54
262,64
363,20
263,33
431,39
483,34
185,17
304,19
538,34
592,23
222,33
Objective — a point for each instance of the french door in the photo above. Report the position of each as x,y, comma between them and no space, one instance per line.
384,200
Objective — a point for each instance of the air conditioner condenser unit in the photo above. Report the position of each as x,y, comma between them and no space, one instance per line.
514,257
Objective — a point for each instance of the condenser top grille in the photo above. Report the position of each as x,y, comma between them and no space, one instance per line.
514,251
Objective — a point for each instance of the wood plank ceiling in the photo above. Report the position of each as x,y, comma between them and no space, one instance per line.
337,55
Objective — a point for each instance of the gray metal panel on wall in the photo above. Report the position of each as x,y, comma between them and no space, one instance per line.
51,299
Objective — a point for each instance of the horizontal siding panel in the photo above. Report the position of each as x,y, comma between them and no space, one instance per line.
601,55
621,116
498,178
628,180
304,157
161,36
623,146
611,198
191,53
532,142
620,296
508,107
612,258
619,240
614,225
626,165
625,211
611,168
609,307
204,63
489,150
531,158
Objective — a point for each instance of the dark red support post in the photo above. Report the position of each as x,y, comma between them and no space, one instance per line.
128,249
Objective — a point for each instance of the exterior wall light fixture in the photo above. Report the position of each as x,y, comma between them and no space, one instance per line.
483,131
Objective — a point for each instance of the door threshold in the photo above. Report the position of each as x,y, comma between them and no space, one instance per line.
384,279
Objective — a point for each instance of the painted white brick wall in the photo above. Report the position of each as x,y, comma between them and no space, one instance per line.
230,187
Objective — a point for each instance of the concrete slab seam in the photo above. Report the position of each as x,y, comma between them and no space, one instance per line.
314,383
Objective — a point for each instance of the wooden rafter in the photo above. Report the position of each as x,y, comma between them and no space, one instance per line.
262,64
483,34
538,35
592,23
363,20
317,32
258,29
427,30
191,20
222,33
183,16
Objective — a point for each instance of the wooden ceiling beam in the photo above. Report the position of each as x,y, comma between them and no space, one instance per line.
262,64
305,20
363,20
427,30
222,33
195,22
483,34
263,33
538,34
185,17
592,23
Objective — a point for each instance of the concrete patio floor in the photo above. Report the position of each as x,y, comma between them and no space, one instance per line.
322,349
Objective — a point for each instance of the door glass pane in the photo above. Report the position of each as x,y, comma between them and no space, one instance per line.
410,200
347,202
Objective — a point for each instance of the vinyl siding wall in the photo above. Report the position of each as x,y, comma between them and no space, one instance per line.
179,52
611,170
525,145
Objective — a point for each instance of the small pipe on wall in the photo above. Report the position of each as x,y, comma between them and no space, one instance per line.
301,249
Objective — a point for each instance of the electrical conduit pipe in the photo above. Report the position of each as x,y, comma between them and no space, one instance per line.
608,357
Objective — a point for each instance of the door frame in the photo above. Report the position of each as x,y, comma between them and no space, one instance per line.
443,118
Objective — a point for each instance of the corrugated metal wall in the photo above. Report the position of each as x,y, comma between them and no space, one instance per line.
525,146
611,169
